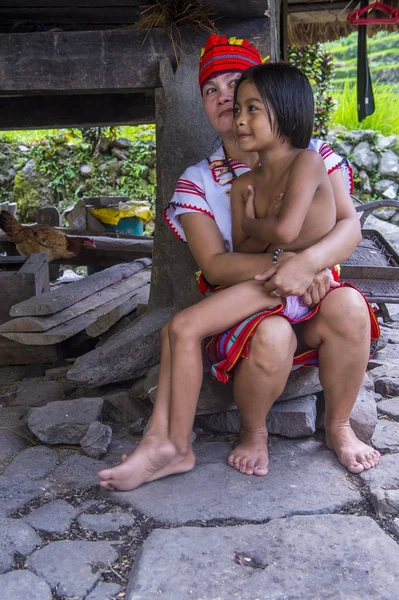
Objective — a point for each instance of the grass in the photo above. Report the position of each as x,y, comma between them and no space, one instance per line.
35,135
385,119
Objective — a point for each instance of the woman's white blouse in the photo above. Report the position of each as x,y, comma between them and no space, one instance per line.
205,188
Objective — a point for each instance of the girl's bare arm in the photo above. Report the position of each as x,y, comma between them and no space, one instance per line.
241,241
306,174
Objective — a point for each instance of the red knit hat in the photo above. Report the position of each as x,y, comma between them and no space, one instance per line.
222,55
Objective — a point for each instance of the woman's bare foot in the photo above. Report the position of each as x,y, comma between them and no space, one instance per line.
153,458
351,452
250,456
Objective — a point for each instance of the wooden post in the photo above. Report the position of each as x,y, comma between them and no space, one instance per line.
49,215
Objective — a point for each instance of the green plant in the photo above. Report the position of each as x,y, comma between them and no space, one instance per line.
385,119
317,65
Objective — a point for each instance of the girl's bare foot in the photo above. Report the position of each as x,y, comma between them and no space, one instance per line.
355,455
251,456
154,458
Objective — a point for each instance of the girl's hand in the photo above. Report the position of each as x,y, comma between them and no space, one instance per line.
249,205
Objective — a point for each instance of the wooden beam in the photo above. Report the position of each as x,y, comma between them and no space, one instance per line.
119,12
89,110
119,60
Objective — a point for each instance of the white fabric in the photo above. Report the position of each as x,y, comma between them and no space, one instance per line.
205,188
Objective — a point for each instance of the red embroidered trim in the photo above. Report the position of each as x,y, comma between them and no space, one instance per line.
342,165
174,205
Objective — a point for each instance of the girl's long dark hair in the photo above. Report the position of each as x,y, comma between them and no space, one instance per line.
288,99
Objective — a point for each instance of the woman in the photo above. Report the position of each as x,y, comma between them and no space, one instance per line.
339,332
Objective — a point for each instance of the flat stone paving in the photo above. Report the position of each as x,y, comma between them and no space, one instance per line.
307,530
324,556
216,491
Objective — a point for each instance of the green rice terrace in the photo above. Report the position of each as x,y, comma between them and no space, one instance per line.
383,55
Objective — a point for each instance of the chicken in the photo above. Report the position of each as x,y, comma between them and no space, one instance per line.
32,239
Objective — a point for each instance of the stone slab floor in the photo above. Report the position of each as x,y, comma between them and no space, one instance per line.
307,530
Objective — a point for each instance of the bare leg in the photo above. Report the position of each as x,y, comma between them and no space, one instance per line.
341,331
187,329
166,449
155,450
258,381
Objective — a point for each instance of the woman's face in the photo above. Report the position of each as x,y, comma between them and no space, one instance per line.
218,99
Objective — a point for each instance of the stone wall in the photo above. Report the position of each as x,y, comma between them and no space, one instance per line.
375,162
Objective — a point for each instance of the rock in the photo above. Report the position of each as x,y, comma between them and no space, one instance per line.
214,397
39,393
385,213
365,182
395,527
122,407
58,373
385,502
15,536
10,444
387,386
85,171
304,477
293,418
384,142
367,382
138,426
121,142
22,584
364,157
72,567
389,407
387,188
302,382
33,463
119,154
12,417
77,470
104,591
385,475
102,147
97,439
105,522
282,560
388,230
343,147
53,517
386,436
363,418
64,422
18,491
389,164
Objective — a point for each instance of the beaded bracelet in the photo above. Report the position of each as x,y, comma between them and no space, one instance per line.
275,255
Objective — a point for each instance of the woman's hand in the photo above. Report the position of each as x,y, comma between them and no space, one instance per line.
320,286
294,276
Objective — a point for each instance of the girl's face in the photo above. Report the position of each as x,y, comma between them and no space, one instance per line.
252,126
218,99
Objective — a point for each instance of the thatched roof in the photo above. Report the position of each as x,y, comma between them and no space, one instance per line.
311,21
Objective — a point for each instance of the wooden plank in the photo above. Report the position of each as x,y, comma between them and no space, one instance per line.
99,61
108,294
125,354
12,260
37,265
111,251
104,322
52,302
78,110
125,302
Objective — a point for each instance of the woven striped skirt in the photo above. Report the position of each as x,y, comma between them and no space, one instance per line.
223,351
